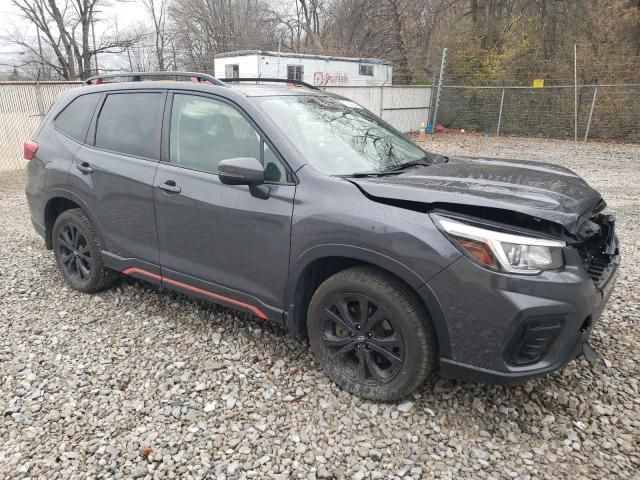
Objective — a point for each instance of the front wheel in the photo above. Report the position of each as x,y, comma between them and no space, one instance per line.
371,334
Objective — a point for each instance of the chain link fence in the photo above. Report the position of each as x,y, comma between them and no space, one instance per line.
590,111
22,105
603,112
575,92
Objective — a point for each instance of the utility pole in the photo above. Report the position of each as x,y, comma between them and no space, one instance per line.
40,61
95,50
279,47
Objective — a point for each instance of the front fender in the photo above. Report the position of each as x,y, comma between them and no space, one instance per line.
295,317
352,252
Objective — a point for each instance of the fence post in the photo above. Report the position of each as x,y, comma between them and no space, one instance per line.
593,104
575,92
435,110
500,114
39,99
381,99
430,116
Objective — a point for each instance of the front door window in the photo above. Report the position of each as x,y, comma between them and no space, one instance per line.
205,131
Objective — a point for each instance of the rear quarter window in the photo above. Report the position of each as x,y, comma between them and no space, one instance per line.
74,120
129,123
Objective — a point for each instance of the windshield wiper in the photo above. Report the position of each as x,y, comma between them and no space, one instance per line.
424,161
373,174
398,169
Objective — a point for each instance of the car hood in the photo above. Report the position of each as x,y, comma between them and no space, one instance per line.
540,190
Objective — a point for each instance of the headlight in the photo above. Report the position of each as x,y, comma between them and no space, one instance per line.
503,251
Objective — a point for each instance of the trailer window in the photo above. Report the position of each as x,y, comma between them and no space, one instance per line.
366,70
232,71
295,72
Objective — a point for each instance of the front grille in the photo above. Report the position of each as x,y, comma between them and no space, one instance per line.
533,339
599,252
597,268
600,269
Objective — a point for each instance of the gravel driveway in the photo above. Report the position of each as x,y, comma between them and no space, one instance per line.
136,383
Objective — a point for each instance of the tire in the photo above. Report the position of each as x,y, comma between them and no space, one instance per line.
384,355
77,249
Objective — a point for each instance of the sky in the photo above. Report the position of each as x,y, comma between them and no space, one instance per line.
127,12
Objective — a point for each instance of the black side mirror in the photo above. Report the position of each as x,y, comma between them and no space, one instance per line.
241,171
244,171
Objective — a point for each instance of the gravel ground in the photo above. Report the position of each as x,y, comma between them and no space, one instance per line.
136,383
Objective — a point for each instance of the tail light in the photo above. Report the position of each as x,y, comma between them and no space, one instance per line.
30,149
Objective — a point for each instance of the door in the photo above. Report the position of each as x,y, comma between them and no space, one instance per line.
219,238
114,174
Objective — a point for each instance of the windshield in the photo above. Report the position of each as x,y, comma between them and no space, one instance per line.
339,137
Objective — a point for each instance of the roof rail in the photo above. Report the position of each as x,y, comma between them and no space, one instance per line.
265,79
138,76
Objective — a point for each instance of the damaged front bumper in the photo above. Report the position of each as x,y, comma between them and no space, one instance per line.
506,328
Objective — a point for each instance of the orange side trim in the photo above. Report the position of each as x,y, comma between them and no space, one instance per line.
129,271
256,311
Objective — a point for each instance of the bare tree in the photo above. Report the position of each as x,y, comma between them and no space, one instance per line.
312,15
396,30
300,24
64,27
158,12
206,27
491,37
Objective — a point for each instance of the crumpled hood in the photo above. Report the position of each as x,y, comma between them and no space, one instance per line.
541,190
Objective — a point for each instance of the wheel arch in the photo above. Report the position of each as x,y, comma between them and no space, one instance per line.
319,263
61,201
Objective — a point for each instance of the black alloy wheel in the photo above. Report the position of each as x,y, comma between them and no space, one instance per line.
78,252
371,333
74,251
362,339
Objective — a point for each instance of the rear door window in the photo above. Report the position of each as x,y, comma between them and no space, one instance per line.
129,123
74,120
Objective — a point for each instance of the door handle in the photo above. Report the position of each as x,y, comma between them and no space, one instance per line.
84,168
170,186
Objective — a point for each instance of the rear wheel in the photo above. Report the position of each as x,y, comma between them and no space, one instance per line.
78,252
371,334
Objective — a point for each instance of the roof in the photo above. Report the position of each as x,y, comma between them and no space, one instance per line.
252,89
328,58
269,89
200,79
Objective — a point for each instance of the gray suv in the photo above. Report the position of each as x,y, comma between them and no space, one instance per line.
302,207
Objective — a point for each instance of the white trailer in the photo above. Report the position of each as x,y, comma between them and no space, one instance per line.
317,70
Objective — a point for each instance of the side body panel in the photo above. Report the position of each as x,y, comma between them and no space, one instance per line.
332,218
223,239
223,235
47,172
120,194
118,190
